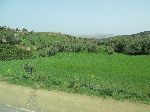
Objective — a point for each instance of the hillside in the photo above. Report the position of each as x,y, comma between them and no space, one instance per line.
135,44
45,44
21,44
56,61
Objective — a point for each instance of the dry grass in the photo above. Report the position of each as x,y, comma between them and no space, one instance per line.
53,101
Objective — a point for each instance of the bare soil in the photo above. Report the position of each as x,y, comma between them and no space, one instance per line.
53,101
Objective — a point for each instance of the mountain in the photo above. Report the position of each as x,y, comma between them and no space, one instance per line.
97,36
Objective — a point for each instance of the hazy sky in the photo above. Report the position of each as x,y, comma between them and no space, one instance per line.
77,16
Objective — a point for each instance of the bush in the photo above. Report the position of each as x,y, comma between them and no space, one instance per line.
10,52
117,43
131,45
9,37
59,46
29,68
52,51
91,47
120,45
76,47
134,47
146,46
43,52
110,50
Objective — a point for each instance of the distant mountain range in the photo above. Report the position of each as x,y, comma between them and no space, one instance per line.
97,36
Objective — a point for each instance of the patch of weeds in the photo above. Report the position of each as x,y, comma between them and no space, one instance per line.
29,69
75,85
56,82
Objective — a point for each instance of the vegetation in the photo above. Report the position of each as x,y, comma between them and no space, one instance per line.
34,44
21,44
136,44
118,76
88,66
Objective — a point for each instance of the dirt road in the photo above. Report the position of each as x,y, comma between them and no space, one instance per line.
53,101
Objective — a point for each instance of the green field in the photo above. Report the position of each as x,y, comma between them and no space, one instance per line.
119,76
115,67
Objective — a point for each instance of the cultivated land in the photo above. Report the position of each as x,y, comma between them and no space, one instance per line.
119,76
116,67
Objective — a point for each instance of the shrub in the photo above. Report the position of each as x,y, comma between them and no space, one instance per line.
43,52
134,47
117,43
52,51
146,46
110,50
58,45
29,68
9,37
76,47
91,47
10,52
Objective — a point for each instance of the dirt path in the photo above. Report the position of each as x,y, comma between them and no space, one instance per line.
52,101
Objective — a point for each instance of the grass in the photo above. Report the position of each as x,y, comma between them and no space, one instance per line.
118,76
42,38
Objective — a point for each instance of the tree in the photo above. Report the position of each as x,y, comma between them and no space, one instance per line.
24,30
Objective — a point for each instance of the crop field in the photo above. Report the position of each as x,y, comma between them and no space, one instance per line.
120,76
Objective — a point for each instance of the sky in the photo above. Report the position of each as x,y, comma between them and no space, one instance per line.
77,16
